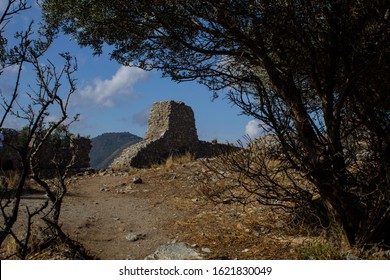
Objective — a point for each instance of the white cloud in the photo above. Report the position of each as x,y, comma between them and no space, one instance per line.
253,129
106,92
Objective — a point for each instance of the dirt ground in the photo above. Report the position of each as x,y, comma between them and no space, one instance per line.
102,211
115,218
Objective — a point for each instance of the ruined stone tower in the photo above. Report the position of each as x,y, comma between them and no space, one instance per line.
171,130
174,122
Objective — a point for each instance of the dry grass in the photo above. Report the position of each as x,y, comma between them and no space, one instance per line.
174,160
12,248
40,247
320,251
228,230
9,180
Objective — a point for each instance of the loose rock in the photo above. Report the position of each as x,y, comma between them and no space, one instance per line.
137,181
135,237
175,251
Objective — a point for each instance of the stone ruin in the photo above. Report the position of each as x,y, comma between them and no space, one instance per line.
171,131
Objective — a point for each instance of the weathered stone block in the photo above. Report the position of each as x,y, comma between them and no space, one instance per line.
171,130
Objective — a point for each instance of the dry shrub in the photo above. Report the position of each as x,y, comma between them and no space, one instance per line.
259,174
42,245
37,242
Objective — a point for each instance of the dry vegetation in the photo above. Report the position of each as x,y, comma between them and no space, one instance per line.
173,192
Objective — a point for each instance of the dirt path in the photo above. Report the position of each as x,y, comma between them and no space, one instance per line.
115,218
104,211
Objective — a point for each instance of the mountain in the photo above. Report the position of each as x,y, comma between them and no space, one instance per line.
106,147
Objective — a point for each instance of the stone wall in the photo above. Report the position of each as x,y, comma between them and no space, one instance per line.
171,130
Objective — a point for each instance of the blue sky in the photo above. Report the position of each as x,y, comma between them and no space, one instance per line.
114,98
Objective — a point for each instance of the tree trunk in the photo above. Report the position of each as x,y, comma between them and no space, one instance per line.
341,207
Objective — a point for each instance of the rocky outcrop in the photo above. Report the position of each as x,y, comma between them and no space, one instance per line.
171,130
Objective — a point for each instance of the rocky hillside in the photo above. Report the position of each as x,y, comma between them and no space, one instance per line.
108,146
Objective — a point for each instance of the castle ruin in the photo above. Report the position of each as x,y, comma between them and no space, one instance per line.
171,130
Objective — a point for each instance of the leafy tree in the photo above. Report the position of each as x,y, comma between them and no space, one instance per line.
315,73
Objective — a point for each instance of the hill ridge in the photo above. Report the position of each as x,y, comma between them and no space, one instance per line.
107,146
